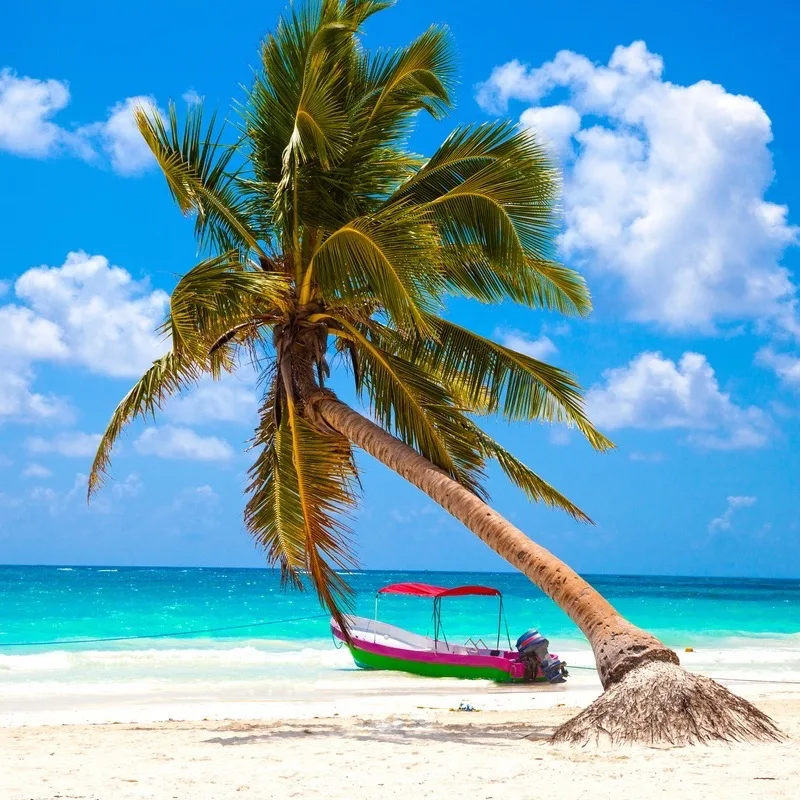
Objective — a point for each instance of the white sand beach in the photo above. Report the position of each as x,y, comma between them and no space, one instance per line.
378,734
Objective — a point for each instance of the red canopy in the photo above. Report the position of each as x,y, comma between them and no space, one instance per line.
426,590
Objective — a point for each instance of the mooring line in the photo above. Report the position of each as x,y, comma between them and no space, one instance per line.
162,635
741,680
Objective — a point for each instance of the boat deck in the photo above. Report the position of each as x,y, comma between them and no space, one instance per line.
382,633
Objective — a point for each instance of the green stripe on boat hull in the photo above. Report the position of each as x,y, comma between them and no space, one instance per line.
367,660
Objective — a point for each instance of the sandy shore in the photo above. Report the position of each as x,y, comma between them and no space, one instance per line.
423,751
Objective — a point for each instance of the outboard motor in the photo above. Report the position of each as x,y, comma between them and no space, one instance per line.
533,653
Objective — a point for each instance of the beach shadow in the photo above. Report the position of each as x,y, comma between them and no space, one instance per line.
408,734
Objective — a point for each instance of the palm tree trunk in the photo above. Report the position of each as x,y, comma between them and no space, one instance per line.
635,668
618,645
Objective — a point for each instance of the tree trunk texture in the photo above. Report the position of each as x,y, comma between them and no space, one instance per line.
621,649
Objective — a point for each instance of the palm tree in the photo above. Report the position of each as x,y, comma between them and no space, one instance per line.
330,244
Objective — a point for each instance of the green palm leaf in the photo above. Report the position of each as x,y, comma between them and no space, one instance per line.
195,163
167,376
383,258
217,295
493,379
416,77
537,489
409,402
302,486
467,271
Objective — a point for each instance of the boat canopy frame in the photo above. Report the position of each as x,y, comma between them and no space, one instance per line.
411,589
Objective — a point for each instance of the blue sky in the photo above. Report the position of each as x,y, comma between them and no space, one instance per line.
677,134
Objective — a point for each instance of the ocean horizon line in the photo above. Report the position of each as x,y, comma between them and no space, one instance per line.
365,571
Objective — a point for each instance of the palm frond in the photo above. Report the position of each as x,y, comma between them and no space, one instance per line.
195,163
492,190
404,81
359,11
385,258
549,285
407,401
536,489
167,376
302,486
496,379
218,295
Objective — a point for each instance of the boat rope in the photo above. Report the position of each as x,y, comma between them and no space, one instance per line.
169,635
732,680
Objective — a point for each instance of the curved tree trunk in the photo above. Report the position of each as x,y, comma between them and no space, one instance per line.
648,695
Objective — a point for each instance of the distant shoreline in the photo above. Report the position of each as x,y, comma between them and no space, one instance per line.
588,575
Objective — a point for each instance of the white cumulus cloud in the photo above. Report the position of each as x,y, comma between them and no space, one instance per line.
652,392
28,106
36,471
539,348
724,521
785,365
89,312
85,312
73,444
215,402
666,194
646,458
19,402
168,441
120,139
29,337
557,124
130,487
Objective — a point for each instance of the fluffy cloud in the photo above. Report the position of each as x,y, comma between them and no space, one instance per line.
539,348
130,487
653,392
120,139
557,124
665,193
20,403
87,312
73,444
167,441
191,97
646,458
27,336
84,312
27,106
215,402
59,501
725,520
785,366
36,471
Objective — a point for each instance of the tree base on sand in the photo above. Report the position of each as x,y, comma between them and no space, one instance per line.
662,703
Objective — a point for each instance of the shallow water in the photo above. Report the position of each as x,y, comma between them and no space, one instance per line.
747,628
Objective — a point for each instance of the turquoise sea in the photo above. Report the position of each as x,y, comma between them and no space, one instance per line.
250,648
744,628
53,604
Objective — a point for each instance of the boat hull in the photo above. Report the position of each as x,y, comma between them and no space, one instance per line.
380,646
431,669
